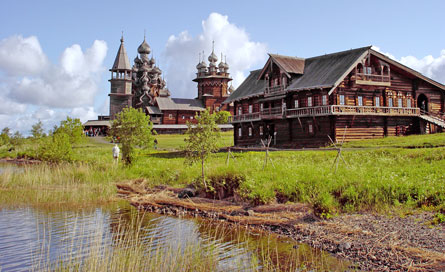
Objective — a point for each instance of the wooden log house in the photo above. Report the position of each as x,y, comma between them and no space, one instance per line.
350,95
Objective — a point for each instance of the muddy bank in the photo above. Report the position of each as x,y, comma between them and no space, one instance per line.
20,161
373,242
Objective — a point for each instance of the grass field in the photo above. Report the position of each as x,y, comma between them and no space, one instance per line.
371,179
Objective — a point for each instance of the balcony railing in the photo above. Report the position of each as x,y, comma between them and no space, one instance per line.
276,90
310,111
277,113
369,79
245,117
372,110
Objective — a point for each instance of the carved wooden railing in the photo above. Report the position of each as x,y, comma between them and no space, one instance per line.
371,110
330,110
370,77
276,90
310,111
268,112
245,117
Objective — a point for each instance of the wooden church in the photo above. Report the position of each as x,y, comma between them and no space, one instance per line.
349,95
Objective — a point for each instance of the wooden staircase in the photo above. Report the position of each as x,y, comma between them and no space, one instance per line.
433,118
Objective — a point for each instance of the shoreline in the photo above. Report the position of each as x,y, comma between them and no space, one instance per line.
370,241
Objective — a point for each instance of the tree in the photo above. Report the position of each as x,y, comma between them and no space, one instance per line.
37,130
202,140
222,117
5,136
71,127
55,148
132,128
16,139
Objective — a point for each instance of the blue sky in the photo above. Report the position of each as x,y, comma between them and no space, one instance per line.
408,30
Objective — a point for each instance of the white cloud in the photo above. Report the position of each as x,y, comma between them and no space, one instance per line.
181,53
429,66
33,88
22,56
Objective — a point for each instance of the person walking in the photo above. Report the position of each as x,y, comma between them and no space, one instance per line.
116,151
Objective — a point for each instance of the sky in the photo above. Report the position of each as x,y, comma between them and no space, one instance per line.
55,55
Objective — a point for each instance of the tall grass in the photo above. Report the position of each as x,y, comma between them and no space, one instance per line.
222,249
371,179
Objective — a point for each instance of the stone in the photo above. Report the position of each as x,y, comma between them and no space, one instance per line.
187,192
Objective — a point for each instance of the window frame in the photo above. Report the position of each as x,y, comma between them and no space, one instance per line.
296,104
309,101
360,100
240,132
250,132
377,101
342,99
324,100
250,108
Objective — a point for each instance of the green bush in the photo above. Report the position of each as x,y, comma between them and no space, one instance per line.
56,148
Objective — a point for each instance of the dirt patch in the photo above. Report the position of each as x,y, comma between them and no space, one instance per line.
373,242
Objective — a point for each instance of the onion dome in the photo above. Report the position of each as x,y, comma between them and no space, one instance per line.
152,61
137,60
213,57
200,65
231,89
157,70
144,48
212,64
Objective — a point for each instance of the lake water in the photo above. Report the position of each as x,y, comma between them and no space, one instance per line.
31,238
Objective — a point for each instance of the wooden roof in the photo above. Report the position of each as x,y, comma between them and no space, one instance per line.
289,65
167,103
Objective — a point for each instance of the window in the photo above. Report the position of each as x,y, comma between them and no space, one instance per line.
408,103
250,108
377,101
240,132
390,102
183,117
261,107
250,131
170,116
360,100
296,104
324,100
309,101
400,102
261,130
342,99
368,70
240,110
310,128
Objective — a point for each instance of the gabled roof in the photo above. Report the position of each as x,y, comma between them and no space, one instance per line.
121,62
251,86
153,110
167,103
407,69
289,65
326,71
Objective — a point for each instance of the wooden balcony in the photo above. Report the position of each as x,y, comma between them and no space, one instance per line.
276,90
371,110
272,113
310,111
245,117
277,113
375,80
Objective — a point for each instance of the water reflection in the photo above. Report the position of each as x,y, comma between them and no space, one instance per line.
33,238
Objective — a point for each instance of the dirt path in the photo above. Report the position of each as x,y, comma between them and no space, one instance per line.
373,242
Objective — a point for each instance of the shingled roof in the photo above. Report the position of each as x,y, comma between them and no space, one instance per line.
319,72
250,87
121,62
167,103
326,70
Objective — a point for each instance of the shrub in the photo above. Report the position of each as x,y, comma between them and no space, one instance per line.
56,148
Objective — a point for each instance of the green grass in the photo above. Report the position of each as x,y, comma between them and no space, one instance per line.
372,179
176,141
412,141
